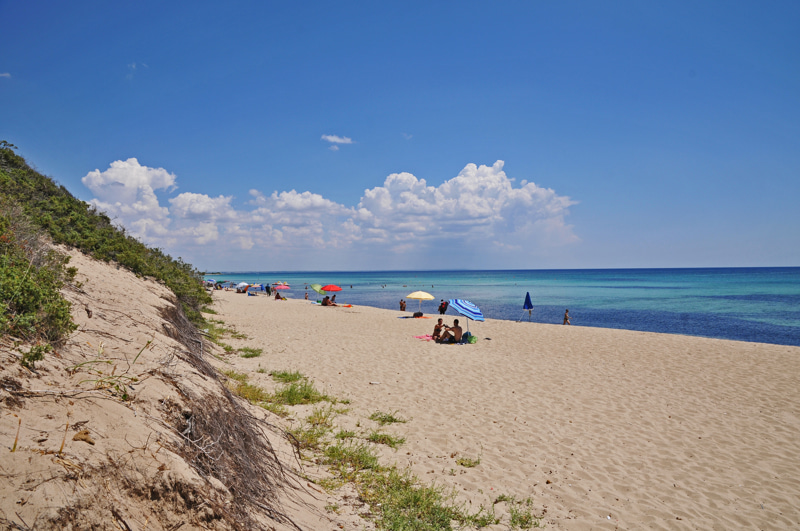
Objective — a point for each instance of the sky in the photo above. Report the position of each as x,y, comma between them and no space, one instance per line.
281,136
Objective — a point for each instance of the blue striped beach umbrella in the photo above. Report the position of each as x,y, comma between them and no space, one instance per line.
467,309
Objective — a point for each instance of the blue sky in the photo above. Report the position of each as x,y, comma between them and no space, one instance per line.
419,135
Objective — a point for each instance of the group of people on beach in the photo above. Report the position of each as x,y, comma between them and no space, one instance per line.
447,334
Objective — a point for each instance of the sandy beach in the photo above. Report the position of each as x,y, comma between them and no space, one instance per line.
601,429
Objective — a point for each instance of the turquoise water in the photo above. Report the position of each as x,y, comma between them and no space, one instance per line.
748,304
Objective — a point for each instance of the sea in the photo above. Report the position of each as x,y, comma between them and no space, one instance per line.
747,304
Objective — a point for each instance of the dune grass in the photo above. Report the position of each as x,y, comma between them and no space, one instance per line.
247,352
386,418
391,441
468,462
350,458
287,376
520,512
345,434
233,375
296,393
404,503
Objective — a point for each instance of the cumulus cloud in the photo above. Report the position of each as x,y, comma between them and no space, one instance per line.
201,207
126,191
480,206
403,219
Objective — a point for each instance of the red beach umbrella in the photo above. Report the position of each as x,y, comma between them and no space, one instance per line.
331,287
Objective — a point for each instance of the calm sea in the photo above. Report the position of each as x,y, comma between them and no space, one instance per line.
748,304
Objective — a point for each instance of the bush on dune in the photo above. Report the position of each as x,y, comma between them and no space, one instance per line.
32,276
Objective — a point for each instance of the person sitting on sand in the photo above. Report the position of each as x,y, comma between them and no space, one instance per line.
278,295
437,330
327,301
455,337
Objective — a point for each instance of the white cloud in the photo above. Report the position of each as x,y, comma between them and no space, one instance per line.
126,191
334,139
5,74
480,206
202,207
477,215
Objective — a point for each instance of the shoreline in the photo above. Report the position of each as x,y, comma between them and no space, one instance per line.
598,427
435,314
754,305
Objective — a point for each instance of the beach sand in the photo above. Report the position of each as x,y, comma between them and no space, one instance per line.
601,429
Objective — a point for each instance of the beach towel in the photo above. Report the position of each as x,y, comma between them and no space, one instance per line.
426,337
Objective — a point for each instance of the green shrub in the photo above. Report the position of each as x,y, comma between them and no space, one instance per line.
36,353
32,276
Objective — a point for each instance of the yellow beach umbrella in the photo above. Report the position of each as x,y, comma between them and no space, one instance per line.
420,296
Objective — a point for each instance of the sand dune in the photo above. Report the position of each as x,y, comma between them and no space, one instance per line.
602,429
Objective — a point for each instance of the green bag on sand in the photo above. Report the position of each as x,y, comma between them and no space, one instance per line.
472,340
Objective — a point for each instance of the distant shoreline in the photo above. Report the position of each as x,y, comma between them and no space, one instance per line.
760,305
416,271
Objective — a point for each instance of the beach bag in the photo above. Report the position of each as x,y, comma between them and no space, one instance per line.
417,314
472,340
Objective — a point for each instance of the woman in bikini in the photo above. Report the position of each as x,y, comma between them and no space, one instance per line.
437,330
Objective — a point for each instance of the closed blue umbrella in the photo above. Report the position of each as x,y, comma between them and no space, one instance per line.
527,305
467,309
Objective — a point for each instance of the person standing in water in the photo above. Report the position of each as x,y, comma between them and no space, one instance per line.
566,317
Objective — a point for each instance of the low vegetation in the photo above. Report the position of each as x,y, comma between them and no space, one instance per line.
386,418
391,441
33,309
247,352
287,376
520,512
468,462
